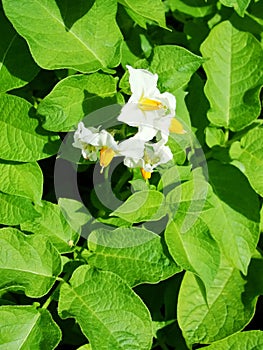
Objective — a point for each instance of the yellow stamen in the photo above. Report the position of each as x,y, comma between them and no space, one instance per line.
146,104
176,127
146,174
106,156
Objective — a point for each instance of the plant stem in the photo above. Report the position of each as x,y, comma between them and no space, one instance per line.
50,298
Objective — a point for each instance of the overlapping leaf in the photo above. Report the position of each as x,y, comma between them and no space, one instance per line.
60,28
174,65
15,210
24,327
22,179
250,340
75,97
234,220
248,157
28,263
17,67
52,224
234,76
239,5
21,138
100,301
225,308
135,254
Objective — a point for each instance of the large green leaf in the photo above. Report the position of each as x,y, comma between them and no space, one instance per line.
52,224
22,179
28,263
15,210
174,65
21,138
225,308
109,313
239,5
234,220
75,97
251,340
25,327
17,67
66,34
194,250
152,10
248,157
135,254
141,206
234,69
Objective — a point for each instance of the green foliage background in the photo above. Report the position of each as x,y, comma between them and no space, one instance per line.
199,282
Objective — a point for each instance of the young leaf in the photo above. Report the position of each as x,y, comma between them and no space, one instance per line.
25,327
152,10
28,263
194,250
135,254
21,137
251,340
59,28
248,157
25,180
226,308
239,5
101,301
174,65
234,76
17,66
52,224
75,97
15,210
141,206
234,220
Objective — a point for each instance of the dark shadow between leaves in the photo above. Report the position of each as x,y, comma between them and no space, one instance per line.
71,11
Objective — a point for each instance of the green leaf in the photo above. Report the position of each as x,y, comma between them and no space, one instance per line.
135,254
234,220
226,308
15,210
194,250
239,5
17,67
28,263
152,10
25,327
52,224
25,180
194,8
141,206
214,136
251,340
59,28
174,65
248,157
21,137
234,76
186,202
75,97
75,213
101,301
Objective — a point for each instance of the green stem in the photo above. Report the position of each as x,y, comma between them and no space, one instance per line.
51,297
226,135
122,181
